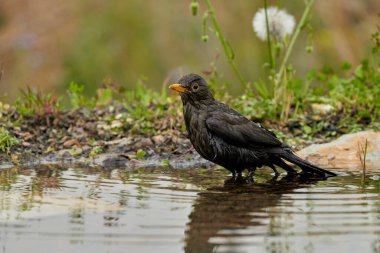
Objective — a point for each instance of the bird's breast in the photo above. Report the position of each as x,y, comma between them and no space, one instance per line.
199,136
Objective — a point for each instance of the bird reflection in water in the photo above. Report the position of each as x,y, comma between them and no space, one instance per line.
233,208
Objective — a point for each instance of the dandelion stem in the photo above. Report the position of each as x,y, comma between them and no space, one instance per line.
299,27
269,42
226,46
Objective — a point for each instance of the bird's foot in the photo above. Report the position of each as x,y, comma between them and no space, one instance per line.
230,181
249,177
307,176
291,174
275,177
276,173
251,172
238,179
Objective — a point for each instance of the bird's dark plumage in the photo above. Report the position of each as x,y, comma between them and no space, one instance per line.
225,137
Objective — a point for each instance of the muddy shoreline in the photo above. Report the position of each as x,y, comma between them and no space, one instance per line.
111,136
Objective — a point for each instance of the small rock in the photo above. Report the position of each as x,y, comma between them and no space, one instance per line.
86,148
316,117
25,136
90,126
344,153
120,145
116,124
321,109
143,143
101,125
64,153
129,120
69,143
158,139
75,151
65,138
119,116
26,144
107,160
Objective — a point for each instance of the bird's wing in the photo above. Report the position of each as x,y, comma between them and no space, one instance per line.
235,129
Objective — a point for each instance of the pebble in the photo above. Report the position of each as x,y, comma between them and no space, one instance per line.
69,143
158,139
143,143
26,144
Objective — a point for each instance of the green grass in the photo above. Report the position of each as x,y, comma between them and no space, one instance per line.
7,140
35,103
76,97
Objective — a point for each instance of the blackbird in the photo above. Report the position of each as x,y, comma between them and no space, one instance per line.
227,138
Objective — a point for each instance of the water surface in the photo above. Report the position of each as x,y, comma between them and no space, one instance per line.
168,210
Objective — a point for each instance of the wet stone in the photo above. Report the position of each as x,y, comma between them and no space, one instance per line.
110,160
346,152
120,145
143,143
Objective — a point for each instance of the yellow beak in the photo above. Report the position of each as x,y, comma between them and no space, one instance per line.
179,88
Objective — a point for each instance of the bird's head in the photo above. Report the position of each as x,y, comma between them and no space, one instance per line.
193,87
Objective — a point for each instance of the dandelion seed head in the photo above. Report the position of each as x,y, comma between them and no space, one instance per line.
280,23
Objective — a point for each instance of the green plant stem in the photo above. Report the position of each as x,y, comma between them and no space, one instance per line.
226,46
269,42
363,160
292,42
365,156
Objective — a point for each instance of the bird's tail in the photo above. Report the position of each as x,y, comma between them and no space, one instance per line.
306,166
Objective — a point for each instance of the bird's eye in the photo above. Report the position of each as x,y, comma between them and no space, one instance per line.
195,87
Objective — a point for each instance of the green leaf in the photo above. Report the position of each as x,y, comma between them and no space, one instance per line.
346,65
307,129
140,154
359,73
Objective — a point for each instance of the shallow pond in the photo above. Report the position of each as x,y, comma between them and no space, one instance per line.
167,210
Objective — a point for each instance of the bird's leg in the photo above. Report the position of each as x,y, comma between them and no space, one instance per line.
276,173
239,179
236,179
232,179
277,161
249,177
275,177
251,171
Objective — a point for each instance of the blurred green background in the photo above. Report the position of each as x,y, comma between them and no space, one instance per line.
48,44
